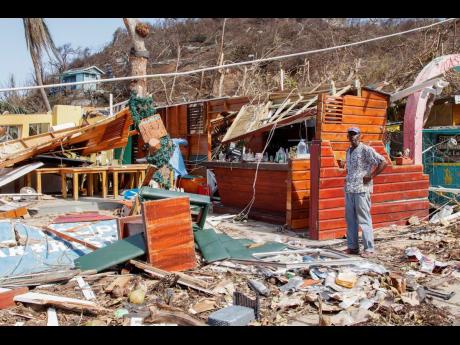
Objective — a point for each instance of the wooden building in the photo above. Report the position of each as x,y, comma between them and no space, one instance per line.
191,121
308,194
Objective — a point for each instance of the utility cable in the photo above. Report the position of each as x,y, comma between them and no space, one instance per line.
235,64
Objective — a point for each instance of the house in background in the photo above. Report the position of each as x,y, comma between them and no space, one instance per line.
81,74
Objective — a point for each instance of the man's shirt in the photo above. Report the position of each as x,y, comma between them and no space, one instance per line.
360,163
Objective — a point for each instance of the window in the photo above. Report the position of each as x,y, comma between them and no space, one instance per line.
195,118
11,133
38,128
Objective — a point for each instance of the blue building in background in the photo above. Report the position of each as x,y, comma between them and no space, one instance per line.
81,74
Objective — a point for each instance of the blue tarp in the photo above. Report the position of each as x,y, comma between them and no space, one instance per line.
177,161
42,252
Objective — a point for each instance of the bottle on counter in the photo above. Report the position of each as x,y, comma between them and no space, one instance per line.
302,150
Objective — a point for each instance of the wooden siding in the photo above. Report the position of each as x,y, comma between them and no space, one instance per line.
298,194
399,192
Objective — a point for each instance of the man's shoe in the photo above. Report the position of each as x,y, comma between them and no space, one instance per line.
351,251
368,254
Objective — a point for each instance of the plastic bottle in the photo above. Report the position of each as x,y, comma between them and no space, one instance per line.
302,149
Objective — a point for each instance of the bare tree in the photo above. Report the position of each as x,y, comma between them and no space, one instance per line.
38,39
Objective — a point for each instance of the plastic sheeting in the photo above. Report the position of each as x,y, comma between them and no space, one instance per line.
177,161
38,251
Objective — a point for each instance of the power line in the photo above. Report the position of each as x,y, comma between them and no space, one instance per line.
236,64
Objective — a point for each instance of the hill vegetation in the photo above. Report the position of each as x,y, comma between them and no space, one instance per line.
187,44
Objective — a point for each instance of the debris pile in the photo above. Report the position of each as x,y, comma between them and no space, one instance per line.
291,283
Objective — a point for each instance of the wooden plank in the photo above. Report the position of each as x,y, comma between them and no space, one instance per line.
382,208
364,102
183,279
333,172
399,195
334,182
69,238
300,175
374,95
342,128
300,185
379,189
327,152
328,162
342,137
299,223
379,218
360,112
299,164
6,297
363,120
59,302
300,213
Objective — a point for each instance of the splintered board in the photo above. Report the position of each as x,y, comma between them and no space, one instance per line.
168,229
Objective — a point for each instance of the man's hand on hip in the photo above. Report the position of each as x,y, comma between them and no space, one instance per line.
367,179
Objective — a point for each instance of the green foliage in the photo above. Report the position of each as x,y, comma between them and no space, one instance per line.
141,108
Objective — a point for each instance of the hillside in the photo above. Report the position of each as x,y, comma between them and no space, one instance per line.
193,43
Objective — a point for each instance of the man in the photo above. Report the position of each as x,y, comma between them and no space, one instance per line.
360,163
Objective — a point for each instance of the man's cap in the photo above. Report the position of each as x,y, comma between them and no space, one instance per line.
354,129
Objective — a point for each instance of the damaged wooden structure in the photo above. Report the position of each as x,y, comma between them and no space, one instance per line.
308,194
110,133
400,191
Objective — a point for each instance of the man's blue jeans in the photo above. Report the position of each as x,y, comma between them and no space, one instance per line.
358,214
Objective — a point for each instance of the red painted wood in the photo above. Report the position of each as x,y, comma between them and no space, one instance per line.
315,156
381,208
364,103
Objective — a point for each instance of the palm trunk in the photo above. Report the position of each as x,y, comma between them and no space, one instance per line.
38,75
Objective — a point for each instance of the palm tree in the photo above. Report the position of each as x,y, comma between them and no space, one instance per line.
38,39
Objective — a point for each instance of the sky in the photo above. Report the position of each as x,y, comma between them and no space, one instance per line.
93,33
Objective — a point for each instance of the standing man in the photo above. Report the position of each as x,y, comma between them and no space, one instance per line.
360,163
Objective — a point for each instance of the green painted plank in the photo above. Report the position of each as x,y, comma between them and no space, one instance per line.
215,247
113,254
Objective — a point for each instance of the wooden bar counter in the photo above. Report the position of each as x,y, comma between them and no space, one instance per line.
235,182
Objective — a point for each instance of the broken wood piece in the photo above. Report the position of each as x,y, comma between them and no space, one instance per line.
15,213
52,317
69,238
398,282
118,286
7,295
148,175
183,279
86,289
59,302
40,278
173,316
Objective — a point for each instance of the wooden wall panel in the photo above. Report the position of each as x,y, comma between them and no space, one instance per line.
236,189
169,234
399,192
298,194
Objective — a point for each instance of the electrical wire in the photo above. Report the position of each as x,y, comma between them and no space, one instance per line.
235,64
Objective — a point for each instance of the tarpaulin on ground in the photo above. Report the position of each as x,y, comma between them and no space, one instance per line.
35,251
